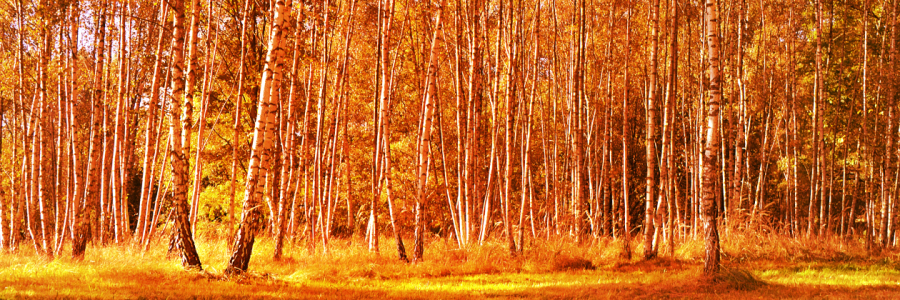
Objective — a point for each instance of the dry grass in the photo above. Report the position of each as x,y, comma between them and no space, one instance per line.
755,266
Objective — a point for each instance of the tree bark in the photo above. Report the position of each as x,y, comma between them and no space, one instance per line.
187,106
626,141
816,119
86,211
260,155
150,141
424,143
650,228
236,140
184,238
710,155
45,164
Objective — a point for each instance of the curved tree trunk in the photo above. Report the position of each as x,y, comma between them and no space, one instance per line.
251,218
184,237
425,137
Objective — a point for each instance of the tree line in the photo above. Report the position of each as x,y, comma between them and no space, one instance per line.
132,121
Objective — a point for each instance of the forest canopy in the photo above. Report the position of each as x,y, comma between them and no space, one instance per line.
649,121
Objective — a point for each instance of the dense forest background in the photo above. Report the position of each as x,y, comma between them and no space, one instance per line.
514,120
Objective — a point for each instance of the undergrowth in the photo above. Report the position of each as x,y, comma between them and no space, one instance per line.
752,263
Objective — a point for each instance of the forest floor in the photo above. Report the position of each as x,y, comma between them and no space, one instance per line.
767,267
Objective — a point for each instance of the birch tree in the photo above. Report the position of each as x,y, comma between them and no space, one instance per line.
711,151
184,235
260,155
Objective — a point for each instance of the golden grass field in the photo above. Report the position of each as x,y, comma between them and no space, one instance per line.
767,267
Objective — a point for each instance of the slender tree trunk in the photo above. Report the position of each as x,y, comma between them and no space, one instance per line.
236,141
150,142
118,139
795,183
737,178
669,132
710,211
86,211
814,184
890,89
319,152
473,156
508,119
260,155
187,106
209,69
401,249
45,163
62,176
424,143
388,172
462,203
289,169
386,15
626,141
185,238
650,228
865,127
580,145
527,193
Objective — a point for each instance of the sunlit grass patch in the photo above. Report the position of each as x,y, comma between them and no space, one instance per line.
845,275
555,268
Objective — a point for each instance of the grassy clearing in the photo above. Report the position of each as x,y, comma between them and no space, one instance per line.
755,267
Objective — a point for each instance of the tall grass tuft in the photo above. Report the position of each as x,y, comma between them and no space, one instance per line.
750,258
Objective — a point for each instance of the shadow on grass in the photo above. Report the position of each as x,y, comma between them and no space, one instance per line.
112,273
610,283
704,290
662,264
